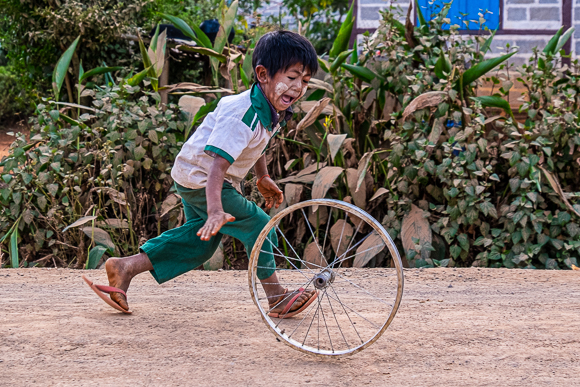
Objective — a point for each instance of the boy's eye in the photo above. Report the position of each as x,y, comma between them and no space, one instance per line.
290,78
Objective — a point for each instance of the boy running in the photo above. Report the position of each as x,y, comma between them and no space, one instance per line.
208,171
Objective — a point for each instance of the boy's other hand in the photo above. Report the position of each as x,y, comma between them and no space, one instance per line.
270,192
213,224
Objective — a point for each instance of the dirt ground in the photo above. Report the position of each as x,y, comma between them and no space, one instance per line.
455,327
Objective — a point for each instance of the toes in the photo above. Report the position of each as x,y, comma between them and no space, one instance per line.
120,299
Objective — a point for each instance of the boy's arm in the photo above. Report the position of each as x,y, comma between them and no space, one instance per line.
216,217
266,185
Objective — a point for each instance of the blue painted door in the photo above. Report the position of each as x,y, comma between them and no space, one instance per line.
461,7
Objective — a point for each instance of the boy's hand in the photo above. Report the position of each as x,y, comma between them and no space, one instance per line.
213,224
270,192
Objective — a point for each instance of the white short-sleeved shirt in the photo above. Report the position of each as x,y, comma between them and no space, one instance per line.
239,130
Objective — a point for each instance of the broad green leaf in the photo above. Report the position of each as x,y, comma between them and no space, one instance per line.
95,256
361,72
14,260
181,26
422,21
205,51
246,70
354,57
485,47
340,44
483,68
324,65
99,70
339,60
226,23
144,55
139,77
400,27
563,39
553,42
61,68
442,66
495,101
455,251
203,38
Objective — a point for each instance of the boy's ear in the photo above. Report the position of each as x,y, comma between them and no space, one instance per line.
261,74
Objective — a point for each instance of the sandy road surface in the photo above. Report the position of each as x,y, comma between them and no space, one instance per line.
455,327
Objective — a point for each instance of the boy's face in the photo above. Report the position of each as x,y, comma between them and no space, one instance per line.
286,87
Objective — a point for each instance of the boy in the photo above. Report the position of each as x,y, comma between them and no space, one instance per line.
230,141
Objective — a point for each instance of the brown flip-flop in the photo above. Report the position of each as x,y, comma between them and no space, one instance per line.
101,289
285,313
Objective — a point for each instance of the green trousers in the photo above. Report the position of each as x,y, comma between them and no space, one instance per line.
180,250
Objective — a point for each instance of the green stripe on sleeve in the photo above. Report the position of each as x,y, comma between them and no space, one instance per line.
249,117
212,151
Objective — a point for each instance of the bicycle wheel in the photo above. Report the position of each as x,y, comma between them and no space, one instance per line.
323,248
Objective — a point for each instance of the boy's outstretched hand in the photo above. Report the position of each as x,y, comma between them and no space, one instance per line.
270,192
213,224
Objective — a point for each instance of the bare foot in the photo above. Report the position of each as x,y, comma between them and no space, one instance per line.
119,277
279,303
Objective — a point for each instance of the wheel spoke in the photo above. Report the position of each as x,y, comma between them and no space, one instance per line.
349,297
295,253
347,315
364,251
326,325
296,259
328,221
335,319
363,289
353,247
314,238
354,311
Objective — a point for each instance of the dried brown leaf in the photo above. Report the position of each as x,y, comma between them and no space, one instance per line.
558,189
341,232
335,143
314,260
292,193
415,225
373,245
429,99
324,180
312,114
360,196
380,191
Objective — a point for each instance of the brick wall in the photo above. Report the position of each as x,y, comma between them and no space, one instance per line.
532,14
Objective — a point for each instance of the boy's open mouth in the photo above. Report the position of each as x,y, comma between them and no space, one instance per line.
286,99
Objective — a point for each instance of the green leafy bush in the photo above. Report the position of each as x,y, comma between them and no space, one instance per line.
109,173
14,100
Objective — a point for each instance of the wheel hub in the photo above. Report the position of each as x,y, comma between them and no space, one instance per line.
324,279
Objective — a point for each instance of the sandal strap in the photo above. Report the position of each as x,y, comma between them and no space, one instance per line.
110,289
291,302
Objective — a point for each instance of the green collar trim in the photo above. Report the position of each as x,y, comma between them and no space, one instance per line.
262,106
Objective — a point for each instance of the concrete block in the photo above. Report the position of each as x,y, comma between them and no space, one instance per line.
545,14
577,48
370,13
520,1
576,13
527,45
517,14
550,1
499,45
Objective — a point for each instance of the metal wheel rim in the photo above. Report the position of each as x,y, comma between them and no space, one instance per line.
349,208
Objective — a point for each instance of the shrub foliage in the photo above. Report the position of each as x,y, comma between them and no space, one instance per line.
401,115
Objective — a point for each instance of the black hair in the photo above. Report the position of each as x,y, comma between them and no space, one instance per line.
278,50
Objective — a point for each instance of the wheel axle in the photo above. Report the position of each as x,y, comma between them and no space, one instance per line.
323,279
